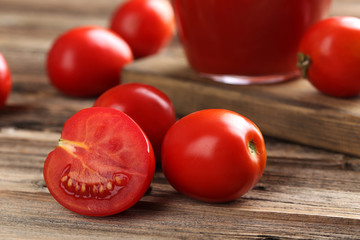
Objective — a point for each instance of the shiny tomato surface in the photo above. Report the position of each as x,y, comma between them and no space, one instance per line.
213,155
103,164
5,81
146,25
146,105
330,56
86,61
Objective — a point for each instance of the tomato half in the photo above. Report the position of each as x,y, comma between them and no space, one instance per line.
146,105
213,155
86,61
146,25
5,81
103,164
329,56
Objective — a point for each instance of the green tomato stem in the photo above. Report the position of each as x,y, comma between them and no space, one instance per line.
303,64
252,147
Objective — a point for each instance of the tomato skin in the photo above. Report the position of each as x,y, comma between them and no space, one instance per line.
86,61
107,152
146,25
333,46
205,155
146,105
5,81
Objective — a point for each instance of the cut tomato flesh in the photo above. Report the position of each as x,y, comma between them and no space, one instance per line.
103,164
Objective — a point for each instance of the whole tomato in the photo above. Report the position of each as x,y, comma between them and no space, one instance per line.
103,163
5,81
146,105
86,61
146,25
329,56
213,155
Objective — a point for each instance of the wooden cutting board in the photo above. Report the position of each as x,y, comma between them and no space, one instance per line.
293,110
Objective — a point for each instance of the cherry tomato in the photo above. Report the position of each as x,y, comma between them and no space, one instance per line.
86,61
5,81
329,56
102,165
146,25
213,155
146,105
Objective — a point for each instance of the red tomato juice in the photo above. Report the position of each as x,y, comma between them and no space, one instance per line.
246,37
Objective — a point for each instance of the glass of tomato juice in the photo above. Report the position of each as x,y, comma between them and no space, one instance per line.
246,41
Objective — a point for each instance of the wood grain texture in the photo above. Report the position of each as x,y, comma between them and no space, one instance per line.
305,193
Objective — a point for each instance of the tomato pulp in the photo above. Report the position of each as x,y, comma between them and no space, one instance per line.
103,164
245,37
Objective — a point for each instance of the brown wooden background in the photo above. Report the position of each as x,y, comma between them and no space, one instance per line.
305,193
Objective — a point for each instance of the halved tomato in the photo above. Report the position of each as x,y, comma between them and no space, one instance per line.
103,163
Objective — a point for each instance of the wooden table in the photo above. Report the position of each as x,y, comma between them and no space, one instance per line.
305,193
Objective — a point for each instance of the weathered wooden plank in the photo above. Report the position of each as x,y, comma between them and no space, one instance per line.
324,201
165,214
35,104
65,7
150,213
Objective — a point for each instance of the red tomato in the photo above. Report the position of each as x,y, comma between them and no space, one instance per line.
146,25
329,56
87,61
103,164
213,155
5,81
146,105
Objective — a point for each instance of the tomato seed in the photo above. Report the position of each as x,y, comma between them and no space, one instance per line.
64,178
83,187
118,180
101,189
69,183
77,187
